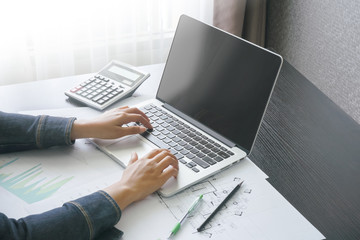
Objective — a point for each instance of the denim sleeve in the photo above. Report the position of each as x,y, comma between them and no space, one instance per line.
84,218
22,132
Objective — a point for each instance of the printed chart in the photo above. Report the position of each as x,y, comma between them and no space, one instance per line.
31,185
39,180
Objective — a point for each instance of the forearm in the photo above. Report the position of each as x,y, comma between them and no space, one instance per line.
84,218
22,132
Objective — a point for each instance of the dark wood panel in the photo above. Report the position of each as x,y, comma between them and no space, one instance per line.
311,151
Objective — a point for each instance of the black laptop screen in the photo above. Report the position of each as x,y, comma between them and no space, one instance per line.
219,80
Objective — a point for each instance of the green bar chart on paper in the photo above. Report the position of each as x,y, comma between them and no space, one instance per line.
30,185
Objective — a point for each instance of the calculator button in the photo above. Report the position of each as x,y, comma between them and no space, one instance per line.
74,90
90,96
117,92
101,101
98,97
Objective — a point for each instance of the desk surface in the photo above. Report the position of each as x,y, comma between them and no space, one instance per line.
307,145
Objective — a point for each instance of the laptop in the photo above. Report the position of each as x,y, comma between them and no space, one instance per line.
209,105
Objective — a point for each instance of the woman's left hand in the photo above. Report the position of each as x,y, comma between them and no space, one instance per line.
109,125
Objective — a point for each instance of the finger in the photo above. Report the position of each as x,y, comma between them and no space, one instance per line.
133,130
134,157
166,162
168,173
121,109
161,155
153,153
132,117
137,111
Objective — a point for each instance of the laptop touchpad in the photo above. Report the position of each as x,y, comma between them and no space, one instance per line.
124,147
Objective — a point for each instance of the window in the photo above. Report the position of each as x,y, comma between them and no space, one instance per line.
47,39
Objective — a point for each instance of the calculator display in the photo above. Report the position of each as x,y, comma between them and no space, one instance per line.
123,72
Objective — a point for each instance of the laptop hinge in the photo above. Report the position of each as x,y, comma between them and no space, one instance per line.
212,133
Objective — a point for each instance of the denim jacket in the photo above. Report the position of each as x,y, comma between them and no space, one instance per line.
83,218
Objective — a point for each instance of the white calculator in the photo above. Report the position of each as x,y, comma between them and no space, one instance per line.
115,81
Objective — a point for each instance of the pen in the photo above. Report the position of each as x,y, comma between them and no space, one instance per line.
219,207
178,225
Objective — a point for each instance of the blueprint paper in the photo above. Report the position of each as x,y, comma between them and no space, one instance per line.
256,212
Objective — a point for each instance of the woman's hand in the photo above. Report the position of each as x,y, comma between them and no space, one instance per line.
109,125
143,176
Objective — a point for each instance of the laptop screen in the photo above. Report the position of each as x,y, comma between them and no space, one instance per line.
219,80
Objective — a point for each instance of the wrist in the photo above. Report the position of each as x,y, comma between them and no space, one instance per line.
122,195
80,129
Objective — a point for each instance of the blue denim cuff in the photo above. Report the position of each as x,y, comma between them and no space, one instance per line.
22,132
100,212
52,131
88,217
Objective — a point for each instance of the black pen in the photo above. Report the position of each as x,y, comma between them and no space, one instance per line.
219,207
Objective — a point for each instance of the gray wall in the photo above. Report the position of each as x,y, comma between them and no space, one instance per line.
321,39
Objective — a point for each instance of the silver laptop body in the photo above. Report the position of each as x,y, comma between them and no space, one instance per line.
209,106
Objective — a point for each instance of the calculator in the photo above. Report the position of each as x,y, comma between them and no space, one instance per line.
117,80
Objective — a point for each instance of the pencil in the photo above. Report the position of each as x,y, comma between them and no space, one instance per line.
219,207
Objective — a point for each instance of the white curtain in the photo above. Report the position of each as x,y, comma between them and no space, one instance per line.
44,39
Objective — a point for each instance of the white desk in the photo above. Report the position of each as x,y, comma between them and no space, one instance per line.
49,94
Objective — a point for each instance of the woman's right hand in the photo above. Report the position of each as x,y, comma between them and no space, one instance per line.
143,176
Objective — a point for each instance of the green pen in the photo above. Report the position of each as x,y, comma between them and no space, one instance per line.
178,225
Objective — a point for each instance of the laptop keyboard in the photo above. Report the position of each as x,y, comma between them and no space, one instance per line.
182,140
